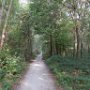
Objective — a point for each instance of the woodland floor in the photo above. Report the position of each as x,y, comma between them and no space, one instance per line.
38,77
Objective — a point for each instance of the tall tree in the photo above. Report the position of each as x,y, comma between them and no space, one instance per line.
5,25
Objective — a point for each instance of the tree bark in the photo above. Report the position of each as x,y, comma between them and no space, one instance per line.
51,47
81,49
1,12
78,43
74,46
57,48
5,25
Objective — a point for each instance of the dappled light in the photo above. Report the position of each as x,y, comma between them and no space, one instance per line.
23,3
26,84
37,65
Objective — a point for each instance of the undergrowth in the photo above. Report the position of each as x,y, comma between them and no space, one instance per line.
11,67
72,74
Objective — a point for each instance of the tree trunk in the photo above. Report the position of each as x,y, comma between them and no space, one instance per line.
81,49
5,25
57,48
78,43
29,44
51,47
88,49
74,46
3,2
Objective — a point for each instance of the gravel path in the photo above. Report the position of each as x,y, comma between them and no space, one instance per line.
37,77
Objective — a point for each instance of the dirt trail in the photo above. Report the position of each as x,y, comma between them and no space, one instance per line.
37,77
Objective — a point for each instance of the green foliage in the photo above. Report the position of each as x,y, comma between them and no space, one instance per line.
14,41
11,61
48,19
6,85
10,68
71,72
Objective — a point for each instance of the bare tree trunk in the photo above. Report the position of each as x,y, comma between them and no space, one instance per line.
51,47
2,12
57,48
81,49
78,43
88,49
60,50
54,45
28,51
74,44
5,25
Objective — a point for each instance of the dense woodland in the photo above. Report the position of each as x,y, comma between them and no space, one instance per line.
59,29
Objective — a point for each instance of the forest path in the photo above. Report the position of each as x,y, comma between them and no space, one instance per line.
37,77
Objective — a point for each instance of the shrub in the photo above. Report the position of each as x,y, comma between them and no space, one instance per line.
72,74
10,68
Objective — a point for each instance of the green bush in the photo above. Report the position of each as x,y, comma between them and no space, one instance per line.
10,68
72,74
